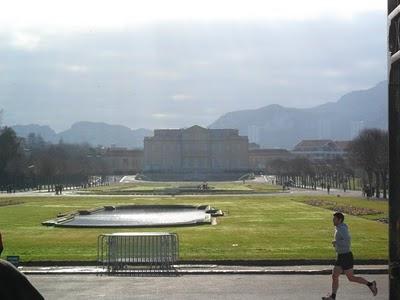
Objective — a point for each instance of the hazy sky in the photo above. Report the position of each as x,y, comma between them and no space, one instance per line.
177,63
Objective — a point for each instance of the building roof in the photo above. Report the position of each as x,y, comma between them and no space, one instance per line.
343,145
269,152
123,152
196,129
315,145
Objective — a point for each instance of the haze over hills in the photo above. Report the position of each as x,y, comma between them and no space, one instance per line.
270,126
283,127
45,131
89,132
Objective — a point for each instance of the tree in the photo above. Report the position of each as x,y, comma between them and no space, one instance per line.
10,152
370,152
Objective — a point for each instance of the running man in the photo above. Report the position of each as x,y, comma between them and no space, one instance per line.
344,260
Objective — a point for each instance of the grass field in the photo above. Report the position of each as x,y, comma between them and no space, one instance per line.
371,209
182,188
264,227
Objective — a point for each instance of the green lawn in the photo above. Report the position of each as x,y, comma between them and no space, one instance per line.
263,227
371,209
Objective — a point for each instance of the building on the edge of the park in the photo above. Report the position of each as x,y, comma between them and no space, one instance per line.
259,159
123,161
196,153
343,147
321,149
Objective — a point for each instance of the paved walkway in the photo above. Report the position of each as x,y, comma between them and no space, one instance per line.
333,192
295,191
257,179
226,287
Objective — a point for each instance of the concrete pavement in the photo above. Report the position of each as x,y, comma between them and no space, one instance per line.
227,287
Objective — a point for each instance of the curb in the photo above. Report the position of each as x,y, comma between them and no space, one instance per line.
212,272
248,263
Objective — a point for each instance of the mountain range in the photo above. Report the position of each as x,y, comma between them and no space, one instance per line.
272,126
93,133
283,127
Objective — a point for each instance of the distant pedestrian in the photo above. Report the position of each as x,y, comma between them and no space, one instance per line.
328,188
368,191
344,260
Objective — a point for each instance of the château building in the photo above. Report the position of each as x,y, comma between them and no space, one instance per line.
196,153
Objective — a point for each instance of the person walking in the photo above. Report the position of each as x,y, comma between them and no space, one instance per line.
344,260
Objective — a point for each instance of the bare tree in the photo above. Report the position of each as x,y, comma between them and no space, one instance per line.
370,152
9,152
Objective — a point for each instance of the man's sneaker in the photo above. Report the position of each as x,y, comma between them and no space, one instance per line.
373,288
327,298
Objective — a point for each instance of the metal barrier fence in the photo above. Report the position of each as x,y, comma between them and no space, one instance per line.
138,253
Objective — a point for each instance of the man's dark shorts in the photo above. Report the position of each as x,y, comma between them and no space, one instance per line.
345,261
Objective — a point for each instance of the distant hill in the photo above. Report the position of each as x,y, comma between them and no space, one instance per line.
283,127
46,132
89,132
270,126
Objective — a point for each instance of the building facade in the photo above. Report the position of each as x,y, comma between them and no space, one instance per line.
122,161
195,153
321,149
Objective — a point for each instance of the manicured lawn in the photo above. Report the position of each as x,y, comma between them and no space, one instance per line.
262,227
372,209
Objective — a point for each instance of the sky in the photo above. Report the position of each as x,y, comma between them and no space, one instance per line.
171,64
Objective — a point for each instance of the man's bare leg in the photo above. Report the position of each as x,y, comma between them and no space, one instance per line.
335,283
372,285
350,276
335,278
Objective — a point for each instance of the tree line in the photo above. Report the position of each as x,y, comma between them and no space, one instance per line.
27,163
365,166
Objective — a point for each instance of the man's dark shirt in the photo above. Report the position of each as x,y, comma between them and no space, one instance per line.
14,285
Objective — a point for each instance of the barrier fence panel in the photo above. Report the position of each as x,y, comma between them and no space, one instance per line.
138,253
